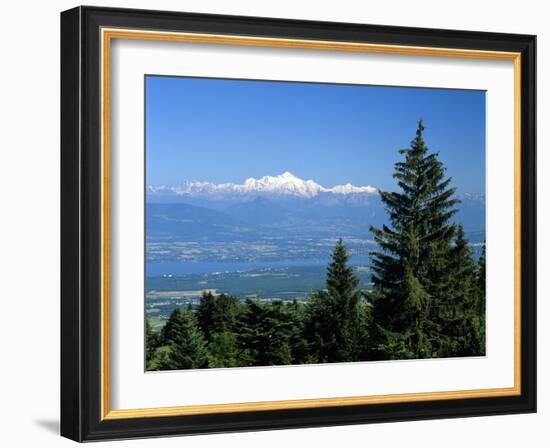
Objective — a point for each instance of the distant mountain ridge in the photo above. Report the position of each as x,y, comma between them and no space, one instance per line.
282,206
285,184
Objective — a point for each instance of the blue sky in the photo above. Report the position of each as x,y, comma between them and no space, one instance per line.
228,130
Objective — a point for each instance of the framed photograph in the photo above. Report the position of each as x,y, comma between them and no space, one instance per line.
273,223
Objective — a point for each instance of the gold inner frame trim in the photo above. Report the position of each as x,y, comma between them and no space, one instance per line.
107,35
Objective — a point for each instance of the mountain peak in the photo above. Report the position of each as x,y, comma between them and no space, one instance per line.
285,184
287,175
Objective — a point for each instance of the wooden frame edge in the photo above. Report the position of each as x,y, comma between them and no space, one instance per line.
306,403
107,34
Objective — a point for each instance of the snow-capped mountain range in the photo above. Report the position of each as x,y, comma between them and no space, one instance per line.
286,184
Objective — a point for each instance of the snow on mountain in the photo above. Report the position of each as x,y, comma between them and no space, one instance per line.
350,189
286,184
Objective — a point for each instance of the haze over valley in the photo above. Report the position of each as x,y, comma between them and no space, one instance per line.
269,237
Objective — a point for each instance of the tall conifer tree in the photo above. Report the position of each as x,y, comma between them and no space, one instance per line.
151,341
410,281
480,304
170,329
218,317
217,314
188,347
205,312
460,323
265,335
481,273
333,326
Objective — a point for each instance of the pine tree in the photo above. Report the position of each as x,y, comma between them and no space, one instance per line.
217,317
410,281
319,328
341,281
217,314
298,344
480,304
161,359
205,312
480,275
151,342
364,329
223,350
333,326
170,329
265,334
460,312
188,346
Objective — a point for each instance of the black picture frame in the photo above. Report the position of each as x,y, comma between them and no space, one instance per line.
81,224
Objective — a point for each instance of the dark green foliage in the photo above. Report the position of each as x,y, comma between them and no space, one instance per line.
298,343
161,359
459,316
188,346
205,312
218,319
183,344
223,350
171,329
423,276
364,312
265,335
341,281
333,327
319,330
217,314
151,342
480,277
479,305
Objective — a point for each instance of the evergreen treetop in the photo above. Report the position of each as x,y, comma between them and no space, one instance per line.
333,328
410,268
188,348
